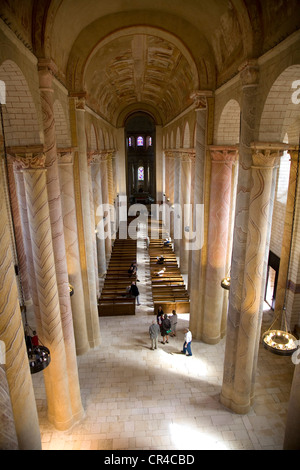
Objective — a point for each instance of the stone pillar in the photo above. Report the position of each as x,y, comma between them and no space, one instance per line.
97,195
217,241
65,158
51,333
185,202
105,201
16,360
177,214
20,261
286,240
8,435
249,80
46,70
81,183
239,397
292,431
195,280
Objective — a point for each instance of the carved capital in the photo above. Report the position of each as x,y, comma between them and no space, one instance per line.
26,157
200,98
265,158
267,154
65,155
223,153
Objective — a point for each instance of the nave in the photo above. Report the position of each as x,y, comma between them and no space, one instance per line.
138,399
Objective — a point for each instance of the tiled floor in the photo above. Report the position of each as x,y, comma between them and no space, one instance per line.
138,399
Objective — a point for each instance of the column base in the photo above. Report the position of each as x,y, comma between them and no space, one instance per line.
238,408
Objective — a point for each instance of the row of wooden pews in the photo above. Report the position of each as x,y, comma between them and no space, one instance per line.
168,288
113,299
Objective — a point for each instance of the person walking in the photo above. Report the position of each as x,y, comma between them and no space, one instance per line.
154,331
173,320
135,292
165,329
187,343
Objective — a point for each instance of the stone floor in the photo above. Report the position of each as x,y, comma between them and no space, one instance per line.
138,399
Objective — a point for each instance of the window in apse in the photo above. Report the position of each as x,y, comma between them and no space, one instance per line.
141,173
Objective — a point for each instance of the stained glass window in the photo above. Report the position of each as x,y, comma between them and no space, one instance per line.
129,142
149,141
140,141
141,173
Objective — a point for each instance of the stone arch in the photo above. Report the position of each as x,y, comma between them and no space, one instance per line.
20,113
228,129
280,115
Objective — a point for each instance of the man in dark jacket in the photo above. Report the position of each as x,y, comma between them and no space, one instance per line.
135,292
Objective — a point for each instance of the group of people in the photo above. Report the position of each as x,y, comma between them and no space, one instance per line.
166,326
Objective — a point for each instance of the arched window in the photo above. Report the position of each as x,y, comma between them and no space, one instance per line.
140,141
129,142
140,173
149,141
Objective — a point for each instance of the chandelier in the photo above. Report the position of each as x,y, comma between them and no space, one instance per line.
281,341
225,283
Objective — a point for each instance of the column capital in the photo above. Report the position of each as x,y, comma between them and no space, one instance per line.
249,72
223,153
65,155
79,98
29,157
200,98
47,70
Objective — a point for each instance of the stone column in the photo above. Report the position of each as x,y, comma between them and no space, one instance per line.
249,80
177,214
65,159
46,70
195,281
97,195
185,202
292,431
167,190
16,360
241,394
84,227
51,332
8,435
217,240
105,200
286,240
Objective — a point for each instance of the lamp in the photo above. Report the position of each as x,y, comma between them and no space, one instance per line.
281,341
38,355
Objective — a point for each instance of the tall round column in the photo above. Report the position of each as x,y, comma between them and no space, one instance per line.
88,231
292,431
12,335
46,71
195,281
217,241
72,249
8,435
249,81
51,333
241,394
